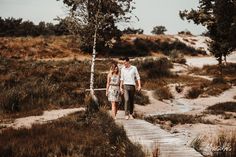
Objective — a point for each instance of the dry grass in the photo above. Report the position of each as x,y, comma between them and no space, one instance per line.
194,92
28,87
223,107
153,69
152,84
177,57
175,119
75,135
225,144
197,143
37,47
141,99
163,93
141,45
216,88
228,72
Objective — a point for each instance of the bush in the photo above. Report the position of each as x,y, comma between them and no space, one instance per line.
177,57
218,80
163,93
194,92
141,99
155,68
178,119
224,107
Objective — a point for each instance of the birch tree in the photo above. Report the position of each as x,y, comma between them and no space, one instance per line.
95,21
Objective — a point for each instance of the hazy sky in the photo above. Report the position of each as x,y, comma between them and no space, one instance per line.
150,13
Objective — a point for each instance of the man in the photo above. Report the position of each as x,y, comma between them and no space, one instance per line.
129,77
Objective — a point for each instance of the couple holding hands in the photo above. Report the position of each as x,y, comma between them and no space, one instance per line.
122,82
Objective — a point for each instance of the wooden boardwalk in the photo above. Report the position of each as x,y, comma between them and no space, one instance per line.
152,137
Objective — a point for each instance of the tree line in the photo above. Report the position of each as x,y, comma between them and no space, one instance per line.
18,27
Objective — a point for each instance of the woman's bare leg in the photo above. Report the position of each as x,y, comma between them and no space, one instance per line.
113,108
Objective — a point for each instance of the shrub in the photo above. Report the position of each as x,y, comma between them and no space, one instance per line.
155,68
194,92
178,119
152,84
141,99
218,80
224,107
177,57
163,93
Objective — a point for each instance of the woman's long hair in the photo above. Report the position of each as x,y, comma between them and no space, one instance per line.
112,69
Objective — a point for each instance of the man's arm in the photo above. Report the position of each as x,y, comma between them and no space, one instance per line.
139,85
138,79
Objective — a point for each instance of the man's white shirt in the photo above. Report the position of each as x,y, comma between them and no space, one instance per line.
129,75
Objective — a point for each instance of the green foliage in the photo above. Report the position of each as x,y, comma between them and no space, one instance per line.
132,31
159,30
87,15
219,17
18,27
185,32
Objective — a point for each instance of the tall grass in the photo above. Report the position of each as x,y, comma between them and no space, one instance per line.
152,69
29,86
76,135
225,144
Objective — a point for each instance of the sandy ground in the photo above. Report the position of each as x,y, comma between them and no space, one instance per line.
197,42
208,60
181,105
47,116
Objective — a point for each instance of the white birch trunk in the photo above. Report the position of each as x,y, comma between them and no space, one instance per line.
93,60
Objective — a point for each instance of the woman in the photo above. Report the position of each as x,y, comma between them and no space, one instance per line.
113,88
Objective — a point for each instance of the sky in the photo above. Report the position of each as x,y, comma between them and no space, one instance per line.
150,13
